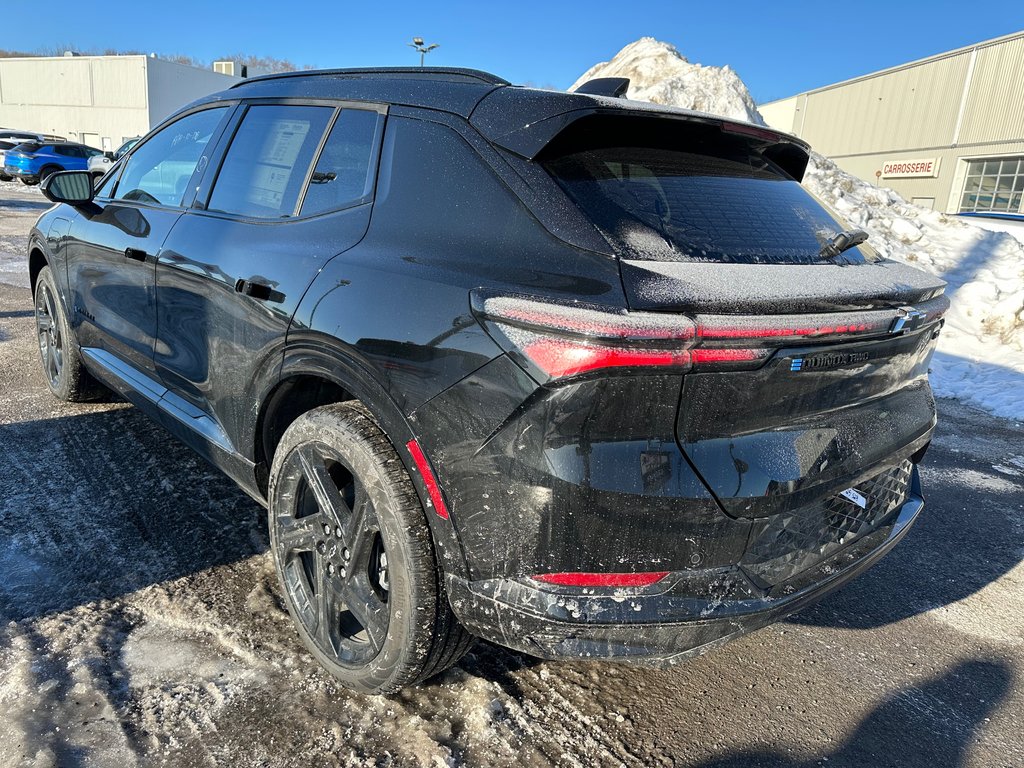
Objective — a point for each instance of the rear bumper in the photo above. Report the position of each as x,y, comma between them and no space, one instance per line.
684,615
19,173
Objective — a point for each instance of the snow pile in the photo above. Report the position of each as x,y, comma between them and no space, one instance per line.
980,356
657,72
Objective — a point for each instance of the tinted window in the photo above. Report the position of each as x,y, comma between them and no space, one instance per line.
125,147
343,173
160,170
718,199
108,185
65,151
28,147
266,164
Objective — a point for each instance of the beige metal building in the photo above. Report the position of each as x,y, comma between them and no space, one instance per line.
98,100
946,132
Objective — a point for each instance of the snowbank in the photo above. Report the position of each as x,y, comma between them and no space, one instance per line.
980,356
658,72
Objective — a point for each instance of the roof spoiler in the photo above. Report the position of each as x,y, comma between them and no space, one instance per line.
614,87
539,125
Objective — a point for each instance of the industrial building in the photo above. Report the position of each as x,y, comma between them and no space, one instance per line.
98,100
946,132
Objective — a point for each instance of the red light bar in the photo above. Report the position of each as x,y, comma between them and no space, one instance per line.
700,356
562,357
752,130
433,489
602,579
711,327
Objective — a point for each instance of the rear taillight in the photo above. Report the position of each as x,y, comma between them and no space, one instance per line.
564,340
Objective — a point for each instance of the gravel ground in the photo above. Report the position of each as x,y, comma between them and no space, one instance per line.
140,624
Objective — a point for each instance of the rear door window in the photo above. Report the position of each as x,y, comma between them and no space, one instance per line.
707,196
343,175
265,167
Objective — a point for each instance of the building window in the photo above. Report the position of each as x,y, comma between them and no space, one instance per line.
993,186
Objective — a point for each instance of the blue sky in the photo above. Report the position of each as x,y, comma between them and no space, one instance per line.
778,48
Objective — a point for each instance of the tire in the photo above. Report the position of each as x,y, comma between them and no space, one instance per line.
58,349
363,587
28,182
47,172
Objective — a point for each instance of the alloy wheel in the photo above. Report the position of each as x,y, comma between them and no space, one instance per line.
328,541
51,342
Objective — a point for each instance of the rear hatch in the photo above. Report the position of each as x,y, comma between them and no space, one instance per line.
20,156
809,368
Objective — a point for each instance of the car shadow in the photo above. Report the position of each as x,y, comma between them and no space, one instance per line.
25,205
930,724
963,539
103,503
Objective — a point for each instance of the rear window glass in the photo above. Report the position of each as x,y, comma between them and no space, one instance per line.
715,198
29,146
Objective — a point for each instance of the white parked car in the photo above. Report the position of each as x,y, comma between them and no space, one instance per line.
4,146
100,164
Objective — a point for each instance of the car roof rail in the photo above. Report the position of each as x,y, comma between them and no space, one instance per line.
605,86
411,73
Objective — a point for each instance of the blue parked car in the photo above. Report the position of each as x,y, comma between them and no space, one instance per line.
32,162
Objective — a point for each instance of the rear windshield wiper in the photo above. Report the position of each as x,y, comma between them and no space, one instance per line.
841,242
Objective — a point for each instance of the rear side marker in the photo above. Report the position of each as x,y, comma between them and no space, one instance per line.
602,579
433,489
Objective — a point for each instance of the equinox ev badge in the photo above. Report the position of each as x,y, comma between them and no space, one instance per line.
827,360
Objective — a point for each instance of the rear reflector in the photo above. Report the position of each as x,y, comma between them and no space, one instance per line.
433,489
602,579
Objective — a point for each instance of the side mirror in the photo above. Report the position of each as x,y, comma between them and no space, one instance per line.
71,187
109,155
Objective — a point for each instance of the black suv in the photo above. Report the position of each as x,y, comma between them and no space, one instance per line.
581,376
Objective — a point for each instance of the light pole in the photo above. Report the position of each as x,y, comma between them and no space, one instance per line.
417,43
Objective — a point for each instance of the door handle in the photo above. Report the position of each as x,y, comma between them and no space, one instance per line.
135,254
260,291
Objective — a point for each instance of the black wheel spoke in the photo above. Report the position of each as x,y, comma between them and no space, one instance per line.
328,496
327,606
368,609
299,533
51,362
357,535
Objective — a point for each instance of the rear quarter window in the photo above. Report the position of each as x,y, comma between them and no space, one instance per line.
343,174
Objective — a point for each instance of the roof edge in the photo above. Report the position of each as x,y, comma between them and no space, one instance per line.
412,73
